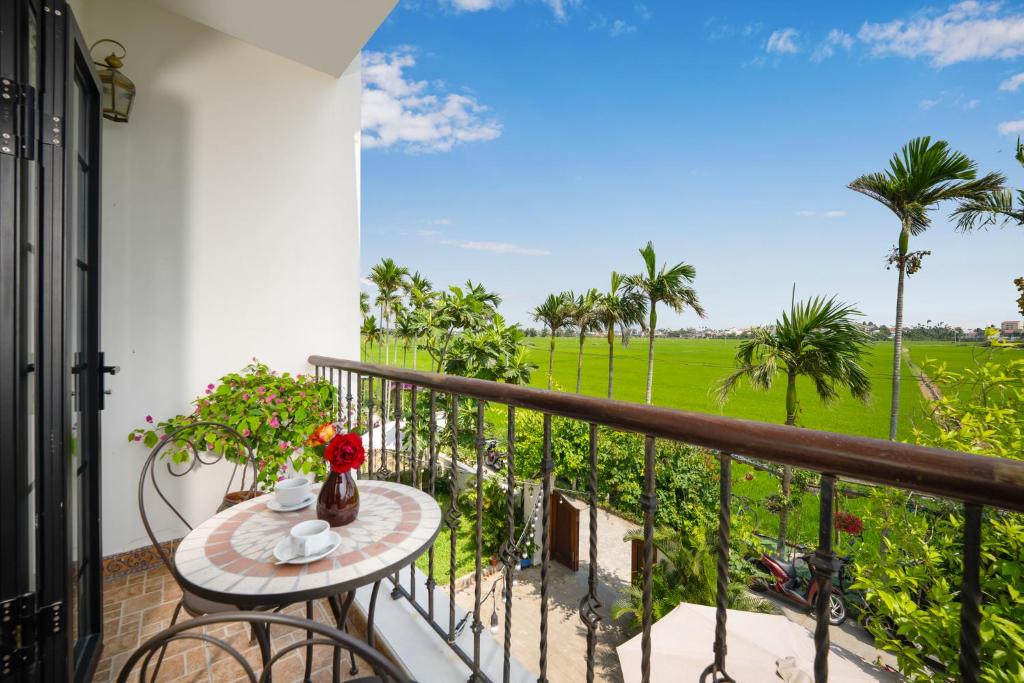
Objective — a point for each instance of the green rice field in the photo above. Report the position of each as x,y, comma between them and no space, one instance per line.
686,371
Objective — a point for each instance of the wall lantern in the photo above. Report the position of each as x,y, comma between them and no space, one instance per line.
118,89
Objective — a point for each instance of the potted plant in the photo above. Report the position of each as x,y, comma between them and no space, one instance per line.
275,412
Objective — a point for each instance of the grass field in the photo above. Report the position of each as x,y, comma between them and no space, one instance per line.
686,370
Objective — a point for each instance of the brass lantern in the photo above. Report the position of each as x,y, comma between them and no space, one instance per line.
118,89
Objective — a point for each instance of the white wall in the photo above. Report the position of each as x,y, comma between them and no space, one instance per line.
230,229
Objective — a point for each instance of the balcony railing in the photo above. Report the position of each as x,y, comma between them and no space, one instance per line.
975,481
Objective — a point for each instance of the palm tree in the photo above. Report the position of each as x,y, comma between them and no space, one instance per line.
555,313
406,330
623,307
370,334
817,339
670,286
388,276
994,207
364,304
583,314
920,177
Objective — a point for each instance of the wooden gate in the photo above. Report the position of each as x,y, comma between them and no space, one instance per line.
565,531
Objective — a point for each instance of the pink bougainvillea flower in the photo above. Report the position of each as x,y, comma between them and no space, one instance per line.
261,390
245,397
283,446
302,394
149,419
246,432
138,437
274,422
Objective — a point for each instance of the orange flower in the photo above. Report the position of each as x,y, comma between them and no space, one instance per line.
321,435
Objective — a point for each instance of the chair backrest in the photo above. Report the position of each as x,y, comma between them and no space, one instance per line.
232,446
307,634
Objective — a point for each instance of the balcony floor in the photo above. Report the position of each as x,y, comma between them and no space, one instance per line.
139,605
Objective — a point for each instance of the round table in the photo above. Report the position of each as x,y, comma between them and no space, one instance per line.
229,557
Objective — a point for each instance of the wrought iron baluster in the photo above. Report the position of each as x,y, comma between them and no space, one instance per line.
590,604
397,388
360,399
396,592
336,385
452,517
970,597
348,400
431,583
478,626
717,670
415,473
547,468
824,567
649,504
510,553
369,424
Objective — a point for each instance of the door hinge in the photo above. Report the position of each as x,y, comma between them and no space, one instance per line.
22,625
18,119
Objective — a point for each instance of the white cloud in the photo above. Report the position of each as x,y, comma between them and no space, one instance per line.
496,247
472,5
642,11
827,214
826,49
415,115
834,214
558,7
439,221
805,213
620,27
967,31
783,41
1011,127
927,104
972,104
1013,83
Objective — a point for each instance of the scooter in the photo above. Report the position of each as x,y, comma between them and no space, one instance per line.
495,459
800,589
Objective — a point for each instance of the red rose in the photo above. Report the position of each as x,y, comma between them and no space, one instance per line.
345,452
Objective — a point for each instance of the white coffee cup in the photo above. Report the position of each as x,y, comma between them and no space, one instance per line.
311,537
291,491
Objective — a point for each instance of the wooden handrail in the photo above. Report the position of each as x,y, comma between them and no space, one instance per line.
997,482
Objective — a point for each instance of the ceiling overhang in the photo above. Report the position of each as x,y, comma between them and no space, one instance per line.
325,35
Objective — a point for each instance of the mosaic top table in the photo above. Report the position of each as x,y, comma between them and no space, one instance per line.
229,557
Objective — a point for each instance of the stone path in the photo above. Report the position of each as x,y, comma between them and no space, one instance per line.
567,637
566,633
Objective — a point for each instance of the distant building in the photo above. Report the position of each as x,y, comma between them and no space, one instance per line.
1010,327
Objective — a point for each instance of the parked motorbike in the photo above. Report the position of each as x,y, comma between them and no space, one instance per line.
799,587
494,458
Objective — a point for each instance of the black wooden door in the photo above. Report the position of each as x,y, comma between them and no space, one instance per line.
50,365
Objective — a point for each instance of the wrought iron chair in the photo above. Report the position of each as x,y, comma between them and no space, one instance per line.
317,635
237,450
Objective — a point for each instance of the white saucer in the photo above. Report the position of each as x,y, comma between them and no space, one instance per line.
284,547
277,507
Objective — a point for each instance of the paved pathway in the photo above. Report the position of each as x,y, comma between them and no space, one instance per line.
567,637
566,633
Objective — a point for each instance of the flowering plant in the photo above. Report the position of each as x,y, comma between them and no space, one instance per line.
849,523
342,452
275,413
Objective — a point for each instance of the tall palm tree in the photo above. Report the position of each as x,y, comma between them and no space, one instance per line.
670,286
583,314
555,313
389,277
817,339
623,307
920,177
370,334
364,304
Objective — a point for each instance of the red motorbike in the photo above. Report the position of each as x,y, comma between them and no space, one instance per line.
799,587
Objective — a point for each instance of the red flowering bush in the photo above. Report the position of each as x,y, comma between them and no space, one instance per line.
848,523
345,452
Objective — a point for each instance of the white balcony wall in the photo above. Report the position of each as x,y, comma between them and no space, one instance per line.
230,230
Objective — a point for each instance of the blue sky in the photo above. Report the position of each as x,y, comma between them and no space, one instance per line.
535,145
